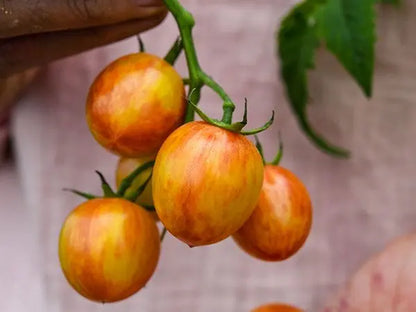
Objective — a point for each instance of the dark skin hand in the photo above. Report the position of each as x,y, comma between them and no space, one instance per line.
33,33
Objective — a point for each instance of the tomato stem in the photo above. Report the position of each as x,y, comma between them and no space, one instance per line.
197,77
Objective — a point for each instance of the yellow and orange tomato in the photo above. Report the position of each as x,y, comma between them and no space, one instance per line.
276,307
206,182
282,219
108,249
134,104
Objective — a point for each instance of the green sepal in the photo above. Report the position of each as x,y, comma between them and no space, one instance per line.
260,129
127,181
279,154
82,194
259,148
132,195
142,48
107,190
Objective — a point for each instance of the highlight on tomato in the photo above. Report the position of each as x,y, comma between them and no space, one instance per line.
281,221
276,307
206,182
108,248
134,104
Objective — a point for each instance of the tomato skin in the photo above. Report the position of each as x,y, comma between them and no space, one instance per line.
134,104
282,219
206,181
108,249
276,307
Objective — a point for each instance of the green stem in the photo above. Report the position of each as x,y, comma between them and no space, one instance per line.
228,106
197,77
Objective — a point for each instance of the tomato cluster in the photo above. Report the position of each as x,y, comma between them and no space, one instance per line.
207,183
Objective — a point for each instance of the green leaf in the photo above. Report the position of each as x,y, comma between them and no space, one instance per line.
348,27
297,41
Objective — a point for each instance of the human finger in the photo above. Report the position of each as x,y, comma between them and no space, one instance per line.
22,17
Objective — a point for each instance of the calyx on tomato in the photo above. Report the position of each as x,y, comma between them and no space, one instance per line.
234,127
127,188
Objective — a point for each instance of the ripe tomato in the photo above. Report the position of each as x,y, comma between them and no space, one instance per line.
206,181
282,219
134,104
108,249
276,307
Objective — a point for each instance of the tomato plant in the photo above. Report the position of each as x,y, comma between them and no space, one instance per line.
206,181
108,249
276,307
282,218
134,104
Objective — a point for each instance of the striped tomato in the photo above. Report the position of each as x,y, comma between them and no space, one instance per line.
108,249
206,182
134,104
282,219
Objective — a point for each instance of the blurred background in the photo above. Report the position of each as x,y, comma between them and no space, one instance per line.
360,203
